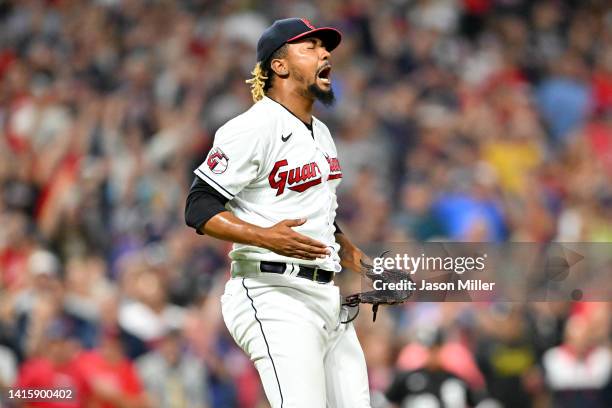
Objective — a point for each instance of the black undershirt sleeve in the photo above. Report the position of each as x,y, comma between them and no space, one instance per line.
338,230
203,203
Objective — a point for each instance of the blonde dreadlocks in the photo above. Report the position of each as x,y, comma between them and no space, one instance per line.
262,80
257,82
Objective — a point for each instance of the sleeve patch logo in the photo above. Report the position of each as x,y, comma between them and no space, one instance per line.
217,161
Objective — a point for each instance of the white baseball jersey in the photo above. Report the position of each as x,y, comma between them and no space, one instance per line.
270,167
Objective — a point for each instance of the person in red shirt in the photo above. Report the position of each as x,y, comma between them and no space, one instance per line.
112,378
56,369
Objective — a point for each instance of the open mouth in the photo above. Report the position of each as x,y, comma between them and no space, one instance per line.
324,74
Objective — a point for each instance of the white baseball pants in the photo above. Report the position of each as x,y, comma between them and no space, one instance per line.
290,328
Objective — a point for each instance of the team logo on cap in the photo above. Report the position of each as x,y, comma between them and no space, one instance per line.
308,23
217,161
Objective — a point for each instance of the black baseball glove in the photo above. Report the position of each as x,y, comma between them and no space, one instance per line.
383,296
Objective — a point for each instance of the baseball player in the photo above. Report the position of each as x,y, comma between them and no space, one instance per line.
269,185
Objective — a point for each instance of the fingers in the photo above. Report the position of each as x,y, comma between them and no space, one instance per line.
306,252
303,251
297,245
303,239
313,251
304,255
316,251
293,223
299,237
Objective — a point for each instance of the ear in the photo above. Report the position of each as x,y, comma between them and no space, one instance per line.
279,66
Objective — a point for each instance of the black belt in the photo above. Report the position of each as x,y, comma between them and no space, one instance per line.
306,272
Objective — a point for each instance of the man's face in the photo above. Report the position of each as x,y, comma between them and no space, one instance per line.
309,67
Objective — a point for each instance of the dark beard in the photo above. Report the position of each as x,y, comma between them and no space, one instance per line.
327,98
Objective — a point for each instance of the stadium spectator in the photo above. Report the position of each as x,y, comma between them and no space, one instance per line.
111,378
172,376
578,370
57,368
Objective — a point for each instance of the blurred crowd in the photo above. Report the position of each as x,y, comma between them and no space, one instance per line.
468,120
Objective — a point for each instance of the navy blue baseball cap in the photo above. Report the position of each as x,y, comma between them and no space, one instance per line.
293,29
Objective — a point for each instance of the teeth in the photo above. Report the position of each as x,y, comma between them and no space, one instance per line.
325,80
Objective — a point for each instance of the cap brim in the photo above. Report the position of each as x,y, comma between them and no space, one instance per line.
330,37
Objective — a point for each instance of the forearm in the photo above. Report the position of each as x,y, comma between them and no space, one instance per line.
350,256
279,238
228,227
205,211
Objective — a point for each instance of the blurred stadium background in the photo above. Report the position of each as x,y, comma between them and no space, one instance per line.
469,120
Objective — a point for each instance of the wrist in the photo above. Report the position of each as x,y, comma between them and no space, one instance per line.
256,236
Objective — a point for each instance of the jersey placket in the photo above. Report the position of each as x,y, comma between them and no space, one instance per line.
325,180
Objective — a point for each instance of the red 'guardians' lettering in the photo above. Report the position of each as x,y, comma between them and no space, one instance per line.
334,168
297,179
334,164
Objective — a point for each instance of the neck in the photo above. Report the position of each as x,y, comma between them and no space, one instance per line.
296,102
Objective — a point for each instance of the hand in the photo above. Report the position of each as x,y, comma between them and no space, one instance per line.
351,257
283,240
